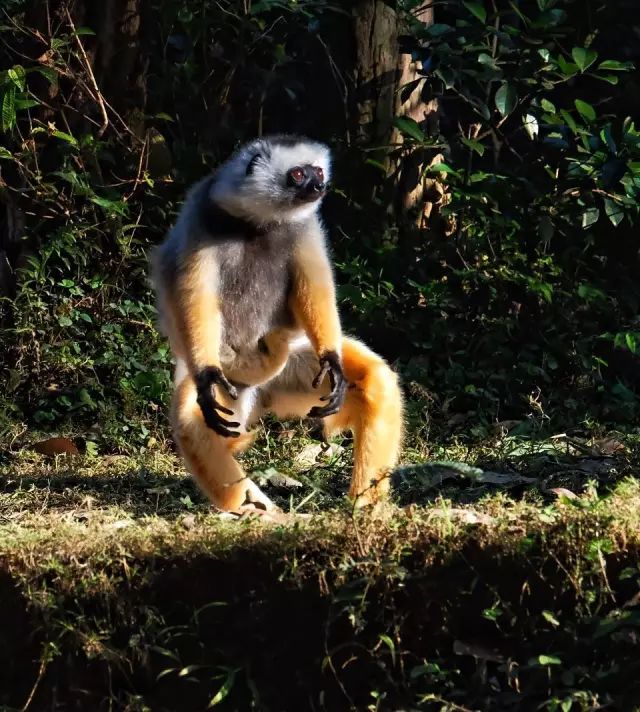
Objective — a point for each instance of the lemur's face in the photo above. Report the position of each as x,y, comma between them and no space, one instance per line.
306,183
293,175
275,179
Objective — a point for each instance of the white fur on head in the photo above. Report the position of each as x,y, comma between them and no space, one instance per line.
261,196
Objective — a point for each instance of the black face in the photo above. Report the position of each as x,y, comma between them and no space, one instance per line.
307,182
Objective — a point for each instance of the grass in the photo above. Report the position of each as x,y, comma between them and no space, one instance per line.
505,576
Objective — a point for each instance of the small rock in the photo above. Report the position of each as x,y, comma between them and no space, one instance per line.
188,521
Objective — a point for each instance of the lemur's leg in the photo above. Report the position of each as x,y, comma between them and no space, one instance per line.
373,411
210,456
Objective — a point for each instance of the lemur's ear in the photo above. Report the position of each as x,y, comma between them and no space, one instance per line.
252,163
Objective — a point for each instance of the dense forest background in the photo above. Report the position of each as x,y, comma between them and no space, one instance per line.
483,213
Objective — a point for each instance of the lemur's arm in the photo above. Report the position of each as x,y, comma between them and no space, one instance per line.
198,321
313,302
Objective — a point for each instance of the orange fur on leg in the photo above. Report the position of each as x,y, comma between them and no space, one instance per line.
373,411
209,456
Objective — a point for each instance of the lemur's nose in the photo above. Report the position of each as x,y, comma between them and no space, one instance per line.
319,187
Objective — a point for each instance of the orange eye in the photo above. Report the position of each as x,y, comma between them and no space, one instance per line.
297,174
319,174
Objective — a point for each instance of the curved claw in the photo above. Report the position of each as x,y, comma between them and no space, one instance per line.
330,363
210,407
325,367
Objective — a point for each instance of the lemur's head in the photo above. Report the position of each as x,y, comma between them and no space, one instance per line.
273,179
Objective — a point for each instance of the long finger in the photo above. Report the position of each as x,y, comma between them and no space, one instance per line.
231,390
221,408
322,373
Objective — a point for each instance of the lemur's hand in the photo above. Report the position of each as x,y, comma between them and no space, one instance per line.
330,363
205,381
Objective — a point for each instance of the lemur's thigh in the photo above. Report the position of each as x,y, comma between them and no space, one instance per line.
291,393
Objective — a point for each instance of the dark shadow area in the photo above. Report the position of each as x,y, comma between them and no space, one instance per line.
473,628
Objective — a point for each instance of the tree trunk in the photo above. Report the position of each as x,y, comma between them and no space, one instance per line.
381,72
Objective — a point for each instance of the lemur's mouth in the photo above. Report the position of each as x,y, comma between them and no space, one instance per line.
310,196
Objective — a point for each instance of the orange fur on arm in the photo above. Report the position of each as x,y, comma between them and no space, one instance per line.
197,311
313,296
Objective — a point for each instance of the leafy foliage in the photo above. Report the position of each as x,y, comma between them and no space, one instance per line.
520,296
529,287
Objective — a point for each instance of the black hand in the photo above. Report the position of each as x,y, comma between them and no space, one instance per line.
330,363
205,380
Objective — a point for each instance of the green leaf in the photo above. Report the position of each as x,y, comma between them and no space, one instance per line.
9,109
114,206
548,106
26,103
567,68
584,58
18,76
4,153
610,78
391,645
614,212
66,137
474,145
442,168
409,127
545,660
477,9
611,65
48,73
506,99
64,321
486,59
224,691
607,138
586,110
569,120
84,31
590,217
438,29
549,617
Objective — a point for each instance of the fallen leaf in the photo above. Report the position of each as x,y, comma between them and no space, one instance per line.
563,492
56,446
312,453
609,446
283,481
120,524
286,434
466,516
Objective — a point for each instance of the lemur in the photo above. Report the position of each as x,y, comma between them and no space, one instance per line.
246,297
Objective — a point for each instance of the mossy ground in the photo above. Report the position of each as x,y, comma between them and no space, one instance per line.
510,581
